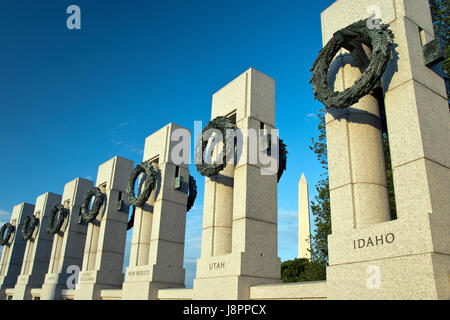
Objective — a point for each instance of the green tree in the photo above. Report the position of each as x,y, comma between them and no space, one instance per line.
390,176
291,270
440,11
299,270
320,206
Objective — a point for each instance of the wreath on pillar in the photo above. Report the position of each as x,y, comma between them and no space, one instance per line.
222,124
130,223
30,223
4,239
282,156
192,193
351,38
57,214
87,214
149,184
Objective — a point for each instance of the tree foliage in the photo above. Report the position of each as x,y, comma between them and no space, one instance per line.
440,11
293,270
299,270
390,176
320,206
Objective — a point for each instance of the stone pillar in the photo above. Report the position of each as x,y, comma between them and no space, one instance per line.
68,243
239,237
37,250
220,197
106,235
407,258
304,229
356,162
13,251
157,250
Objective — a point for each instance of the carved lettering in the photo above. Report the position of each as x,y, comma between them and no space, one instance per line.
216,265
378,239
138,273
361,243
391,236
369,242
86,279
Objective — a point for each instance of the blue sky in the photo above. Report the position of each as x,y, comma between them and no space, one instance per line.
72,99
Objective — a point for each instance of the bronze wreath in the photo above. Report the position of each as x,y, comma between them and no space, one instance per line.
149,185
7,226
30,223
210,170
130,223
282,156
352,38
62,212
90,215
192,193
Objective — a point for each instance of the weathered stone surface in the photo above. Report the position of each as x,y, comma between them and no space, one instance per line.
37,252
407,258
157,250
239,237
315,290
68,244
106,235
356,157
13,252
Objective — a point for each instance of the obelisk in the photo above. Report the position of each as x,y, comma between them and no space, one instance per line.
304,233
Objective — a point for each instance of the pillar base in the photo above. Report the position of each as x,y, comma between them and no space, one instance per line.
228,287
145,290
384,261
415,277
143,282
3,292
92,291
229,277
91,283
22,289
4,285
22,292
53,286
52,291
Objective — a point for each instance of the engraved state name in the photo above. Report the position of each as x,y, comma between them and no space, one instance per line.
51,278
86,279
373,241
87,276
138,273
217,265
